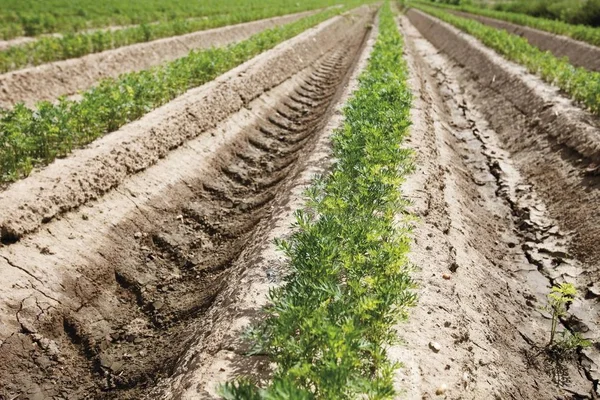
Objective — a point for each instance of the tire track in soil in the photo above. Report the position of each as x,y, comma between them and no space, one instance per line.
125,336
487,231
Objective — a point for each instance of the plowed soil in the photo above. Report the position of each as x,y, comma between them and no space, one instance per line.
107,300
504,206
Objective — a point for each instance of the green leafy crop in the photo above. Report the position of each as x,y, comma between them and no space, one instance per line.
349,282
53,48
35,17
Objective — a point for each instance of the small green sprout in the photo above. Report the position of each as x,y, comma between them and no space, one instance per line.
558,300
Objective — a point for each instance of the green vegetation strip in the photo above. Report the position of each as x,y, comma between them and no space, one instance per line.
584,33
579,83
50,48
31,137
35,17
329,324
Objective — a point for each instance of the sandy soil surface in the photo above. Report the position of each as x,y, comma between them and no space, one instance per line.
69,77
496,227
579,53
131,267
107,298
87,174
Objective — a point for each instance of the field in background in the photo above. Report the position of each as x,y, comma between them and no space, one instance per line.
31,17
584,12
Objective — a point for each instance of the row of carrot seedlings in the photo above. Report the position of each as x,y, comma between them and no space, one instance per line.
328,326
71,45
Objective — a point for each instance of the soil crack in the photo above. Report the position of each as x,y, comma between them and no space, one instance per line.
9,262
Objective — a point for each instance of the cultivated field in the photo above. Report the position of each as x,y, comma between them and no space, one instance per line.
297,200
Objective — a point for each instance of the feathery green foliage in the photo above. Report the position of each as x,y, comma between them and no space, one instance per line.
54,48
559,298
349,281
35,17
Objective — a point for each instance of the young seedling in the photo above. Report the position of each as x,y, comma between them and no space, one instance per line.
558,299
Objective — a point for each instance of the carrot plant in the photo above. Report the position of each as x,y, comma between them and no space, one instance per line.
30,137
559,298
34,17
579,83
329,324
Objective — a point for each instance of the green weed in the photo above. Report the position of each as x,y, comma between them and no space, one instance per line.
558,300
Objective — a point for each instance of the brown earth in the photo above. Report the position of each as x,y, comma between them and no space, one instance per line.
131,268
506,205
69,77
221,353
106,298
579,53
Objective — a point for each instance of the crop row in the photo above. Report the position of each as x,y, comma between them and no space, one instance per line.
34,17
53,48
579,32
579,83
328,326
30,137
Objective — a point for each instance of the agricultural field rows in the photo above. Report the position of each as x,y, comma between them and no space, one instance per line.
36,136
372,200
583,33
73,76
579,54
328,334
31,18
579,83
54,48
